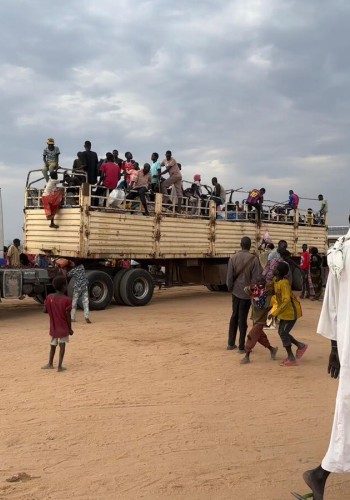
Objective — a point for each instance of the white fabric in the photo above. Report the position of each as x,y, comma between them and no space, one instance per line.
334,324
336,256
50,187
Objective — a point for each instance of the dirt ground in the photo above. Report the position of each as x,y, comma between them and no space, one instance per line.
153,406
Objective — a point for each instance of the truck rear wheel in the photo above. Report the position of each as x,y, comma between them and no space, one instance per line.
136,287
116,285
40,298
100,289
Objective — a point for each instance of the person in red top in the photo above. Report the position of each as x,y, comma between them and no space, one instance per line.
305,269
58,306
109,177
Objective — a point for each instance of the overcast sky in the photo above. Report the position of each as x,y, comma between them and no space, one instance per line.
255,92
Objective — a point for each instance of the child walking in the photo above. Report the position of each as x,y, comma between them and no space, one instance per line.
261,305
288,311
59,306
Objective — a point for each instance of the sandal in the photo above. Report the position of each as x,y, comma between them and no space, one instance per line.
288,362
300,352
302,497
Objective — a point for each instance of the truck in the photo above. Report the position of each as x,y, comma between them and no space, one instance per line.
170,248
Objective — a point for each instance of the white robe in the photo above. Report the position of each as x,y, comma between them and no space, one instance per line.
334,324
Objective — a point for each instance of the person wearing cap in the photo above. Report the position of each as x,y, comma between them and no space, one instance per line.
50,158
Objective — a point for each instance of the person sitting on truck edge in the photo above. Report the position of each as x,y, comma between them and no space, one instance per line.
174,179
90,162
109,178
58,306
256,200
242,269
80,289
218,194
293,201
13,254
142,182
261,305
50,157
52,198
133,174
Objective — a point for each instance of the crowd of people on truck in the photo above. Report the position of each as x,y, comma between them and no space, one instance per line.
112,173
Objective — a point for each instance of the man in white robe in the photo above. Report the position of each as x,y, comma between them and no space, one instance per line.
334,324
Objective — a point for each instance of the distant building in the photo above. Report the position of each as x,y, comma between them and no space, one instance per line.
334,232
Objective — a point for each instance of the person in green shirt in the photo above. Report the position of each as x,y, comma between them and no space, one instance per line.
323,208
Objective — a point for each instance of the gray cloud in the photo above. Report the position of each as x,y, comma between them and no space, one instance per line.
253,91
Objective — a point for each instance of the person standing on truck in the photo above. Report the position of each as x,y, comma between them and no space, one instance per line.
305,269
50,157
141,185
218,194
174,179
109,178
256,200
52,198
243,268
116,158
13,254
90,162
323,208
80,290
58,306
127,167
155,172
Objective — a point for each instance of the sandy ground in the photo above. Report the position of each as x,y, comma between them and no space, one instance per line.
153,406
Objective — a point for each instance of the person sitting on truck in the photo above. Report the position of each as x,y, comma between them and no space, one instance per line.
50,157
141,185
13,254
80,289
90,162
58,306
133,174
127,167
293,201
78,165
52,198
109,178
174,179
218,194
256,200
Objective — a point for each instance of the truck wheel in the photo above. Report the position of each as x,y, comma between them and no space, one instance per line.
100,289
136,287
116,285
40,298
211,288
222,288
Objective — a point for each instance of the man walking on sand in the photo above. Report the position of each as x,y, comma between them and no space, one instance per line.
334,324
243,269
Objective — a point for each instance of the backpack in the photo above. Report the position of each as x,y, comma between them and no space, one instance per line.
294,201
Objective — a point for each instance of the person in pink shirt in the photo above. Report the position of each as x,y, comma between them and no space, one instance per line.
141,185
305,269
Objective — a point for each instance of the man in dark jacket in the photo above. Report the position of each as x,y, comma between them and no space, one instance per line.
243,269
90,160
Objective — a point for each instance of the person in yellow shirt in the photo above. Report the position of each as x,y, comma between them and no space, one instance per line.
13,254
288,311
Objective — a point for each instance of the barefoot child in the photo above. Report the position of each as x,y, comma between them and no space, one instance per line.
261,304
59,306
288,311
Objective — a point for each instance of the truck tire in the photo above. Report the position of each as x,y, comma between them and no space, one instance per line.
222,288
40,298
136,287
100,289
211,288
116,285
